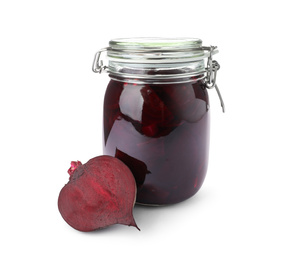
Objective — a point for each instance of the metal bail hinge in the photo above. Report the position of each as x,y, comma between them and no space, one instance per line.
211,70
98,65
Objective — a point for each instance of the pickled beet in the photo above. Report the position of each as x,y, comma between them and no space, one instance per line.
165,129
138,168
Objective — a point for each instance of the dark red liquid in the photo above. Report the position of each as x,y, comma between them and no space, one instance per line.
161,131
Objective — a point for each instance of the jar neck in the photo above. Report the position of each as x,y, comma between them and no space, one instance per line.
156,73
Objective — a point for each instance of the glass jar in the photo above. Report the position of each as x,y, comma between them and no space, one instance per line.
157,113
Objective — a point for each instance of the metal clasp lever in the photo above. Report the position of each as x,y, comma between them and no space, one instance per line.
98,65
211,69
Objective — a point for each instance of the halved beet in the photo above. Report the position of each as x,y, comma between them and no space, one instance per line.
99,193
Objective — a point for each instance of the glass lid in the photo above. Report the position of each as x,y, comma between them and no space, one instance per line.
156,50
155,43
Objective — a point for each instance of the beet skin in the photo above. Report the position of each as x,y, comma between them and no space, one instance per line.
99,193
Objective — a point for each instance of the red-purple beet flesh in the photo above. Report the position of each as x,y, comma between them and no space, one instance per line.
99,193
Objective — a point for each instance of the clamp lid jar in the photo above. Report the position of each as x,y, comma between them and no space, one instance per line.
156,113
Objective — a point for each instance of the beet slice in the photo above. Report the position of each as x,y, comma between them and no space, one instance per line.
99,193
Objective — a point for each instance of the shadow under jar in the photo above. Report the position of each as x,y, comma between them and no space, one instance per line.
156,113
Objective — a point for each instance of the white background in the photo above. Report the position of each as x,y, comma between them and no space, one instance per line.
51,113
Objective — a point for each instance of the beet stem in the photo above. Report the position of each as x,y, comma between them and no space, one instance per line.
74,166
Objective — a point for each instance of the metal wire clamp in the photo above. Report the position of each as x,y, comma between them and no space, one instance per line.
211,70
98,65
